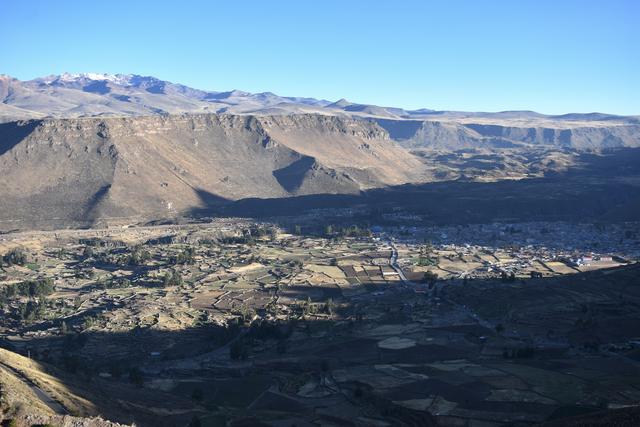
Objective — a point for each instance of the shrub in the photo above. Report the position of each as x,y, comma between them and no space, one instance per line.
430,277
15,256
172,278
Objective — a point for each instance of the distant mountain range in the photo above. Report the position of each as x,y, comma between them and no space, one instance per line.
93,94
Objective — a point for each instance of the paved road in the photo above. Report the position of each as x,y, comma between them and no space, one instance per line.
393,262
55,406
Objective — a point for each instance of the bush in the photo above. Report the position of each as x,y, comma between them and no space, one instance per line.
430,277
425,261
183,257
138,256
14,256
172,278
507,278
31,311
87,252
329,307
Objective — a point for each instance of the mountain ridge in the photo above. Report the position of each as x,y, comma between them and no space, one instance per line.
91,94
82,170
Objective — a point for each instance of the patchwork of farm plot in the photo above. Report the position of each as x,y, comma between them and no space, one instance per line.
247,321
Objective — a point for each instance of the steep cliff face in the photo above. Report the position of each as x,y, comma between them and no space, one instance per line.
454,135
82,171
580,138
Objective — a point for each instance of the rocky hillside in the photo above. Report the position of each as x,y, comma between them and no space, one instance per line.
122,95
59,172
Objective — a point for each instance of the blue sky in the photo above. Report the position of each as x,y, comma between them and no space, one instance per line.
550,56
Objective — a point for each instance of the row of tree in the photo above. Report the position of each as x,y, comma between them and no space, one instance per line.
30,288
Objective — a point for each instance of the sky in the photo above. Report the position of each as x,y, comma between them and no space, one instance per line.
553,57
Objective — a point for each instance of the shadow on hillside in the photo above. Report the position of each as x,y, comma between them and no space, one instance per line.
599,188
91,213
292,176
135,358
208,202
199,358
14,132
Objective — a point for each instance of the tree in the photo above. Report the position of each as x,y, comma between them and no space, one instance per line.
430,277
506,278
329,306
138,256
328,230
184,257
246,313
309,307
88,252
15,256
172,278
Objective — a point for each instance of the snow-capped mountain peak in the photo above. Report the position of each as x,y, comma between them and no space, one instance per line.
83,78
120,79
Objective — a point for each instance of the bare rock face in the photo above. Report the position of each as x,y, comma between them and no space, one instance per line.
60,172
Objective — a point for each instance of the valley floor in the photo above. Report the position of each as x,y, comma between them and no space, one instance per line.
236,322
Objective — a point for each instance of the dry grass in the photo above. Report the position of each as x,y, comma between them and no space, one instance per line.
50,384
15,393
